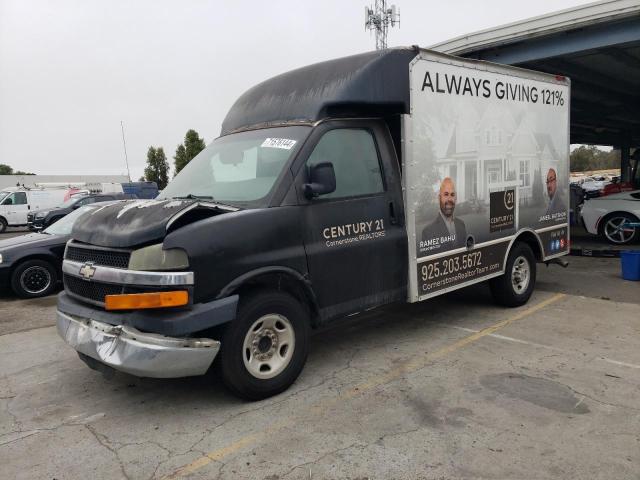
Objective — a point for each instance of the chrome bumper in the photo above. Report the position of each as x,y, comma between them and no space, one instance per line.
131,351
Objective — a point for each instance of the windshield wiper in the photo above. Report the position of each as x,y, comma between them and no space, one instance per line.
191,196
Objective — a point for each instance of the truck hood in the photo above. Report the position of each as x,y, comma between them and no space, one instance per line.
135,222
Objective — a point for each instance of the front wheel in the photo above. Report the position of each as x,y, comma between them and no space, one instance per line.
265,348
515,286
615,228
3,225
33,278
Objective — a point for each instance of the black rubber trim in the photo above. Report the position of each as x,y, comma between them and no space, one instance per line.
594,252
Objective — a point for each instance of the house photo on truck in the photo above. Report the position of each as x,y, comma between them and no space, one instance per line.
389,176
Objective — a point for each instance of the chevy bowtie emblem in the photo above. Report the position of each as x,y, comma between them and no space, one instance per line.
87,271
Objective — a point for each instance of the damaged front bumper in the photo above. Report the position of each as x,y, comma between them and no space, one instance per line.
129,350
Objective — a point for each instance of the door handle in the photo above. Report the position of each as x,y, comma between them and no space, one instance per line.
392,214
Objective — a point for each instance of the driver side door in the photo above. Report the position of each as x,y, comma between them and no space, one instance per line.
16,208
354,237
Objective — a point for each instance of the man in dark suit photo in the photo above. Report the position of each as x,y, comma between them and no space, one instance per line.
445,232
556,203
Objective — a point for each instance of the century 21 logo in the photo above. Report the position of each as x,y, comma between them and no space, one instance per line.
509,199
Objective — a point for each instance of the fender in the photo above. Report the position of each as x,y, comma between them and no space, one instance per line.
296,276
610,214
517,236
38,255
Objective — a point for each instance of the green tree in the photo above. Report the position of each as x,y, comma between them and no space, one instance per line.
157,169
590,157
7,170
185,152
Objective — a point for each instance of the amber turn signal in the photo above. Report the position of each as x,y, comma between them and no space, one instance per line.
137,301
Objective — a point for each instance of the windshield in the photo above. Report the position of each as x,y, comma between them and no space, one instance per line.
239,168
3,195
70,202
65,224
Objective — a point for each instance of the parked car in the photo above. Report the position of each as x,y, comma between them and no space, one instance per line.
614,217
593,188
31,264
141,189
43,218
17,202
616,186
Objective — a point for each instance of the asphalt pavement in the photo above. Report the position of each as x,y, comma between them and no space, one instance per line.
450,388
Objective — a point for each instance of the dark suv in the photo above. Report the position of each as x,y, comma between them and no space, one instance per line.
40,219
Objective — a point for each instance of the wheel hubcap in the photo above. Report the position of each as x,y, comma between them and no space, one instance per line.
520,274
35,280
616,230
268,346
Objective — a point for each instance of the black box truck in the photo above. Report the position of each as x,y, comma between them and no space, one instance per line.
389,176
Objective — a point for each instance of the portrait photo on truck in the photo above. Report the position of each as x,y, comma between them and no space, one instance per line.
388,176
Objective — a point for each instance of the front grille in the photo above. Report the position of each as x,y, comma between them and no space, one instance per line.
94,291
108,258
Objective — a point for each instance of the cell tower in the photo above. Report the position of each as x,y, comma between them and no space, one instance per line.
379,18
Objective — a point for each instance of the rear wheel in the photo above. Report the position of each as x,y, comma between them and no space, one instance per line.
615,230
516,285
264,349
33,278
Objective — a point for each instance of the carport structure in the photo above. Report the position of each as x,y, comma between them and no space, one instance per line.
598,46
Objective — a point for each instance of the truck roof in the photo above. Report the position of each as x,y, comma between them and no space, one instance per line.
363,84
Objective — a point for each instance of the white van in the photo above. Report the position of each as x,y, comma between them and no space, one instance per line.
16,202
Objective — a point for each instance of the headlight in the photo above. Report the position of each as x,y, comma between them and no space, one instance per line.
155,258
0,258
42,214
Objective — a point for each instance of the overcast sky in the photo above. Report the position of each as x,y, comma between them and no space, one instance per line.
71,70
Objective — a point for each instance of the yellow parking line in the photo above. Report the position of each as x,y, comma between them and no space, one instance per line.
408,367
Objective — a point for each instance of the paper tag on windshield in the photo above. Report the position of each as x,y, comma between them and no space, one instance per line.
284,143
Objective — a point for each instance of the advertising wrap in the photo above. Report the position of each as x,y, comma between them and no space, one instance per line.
487,156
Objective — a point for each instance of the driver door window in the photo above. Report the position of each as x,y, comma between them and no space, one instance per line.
19,198
355,161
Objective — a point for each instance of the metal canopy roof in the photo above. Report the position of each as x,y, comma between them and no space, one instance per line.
596,45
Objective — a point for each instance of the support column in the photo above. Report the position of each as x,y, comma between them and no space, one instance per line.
625,165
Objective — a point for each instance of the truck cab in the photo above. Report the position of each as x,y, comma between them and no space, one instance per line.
294,216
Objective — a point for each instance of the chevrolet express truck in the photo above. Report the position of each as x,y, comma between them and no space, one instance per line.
389,176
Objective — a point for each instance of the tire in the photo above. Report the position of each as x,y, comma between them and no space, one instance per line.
610,231
514,288
3,225
253,345
34,278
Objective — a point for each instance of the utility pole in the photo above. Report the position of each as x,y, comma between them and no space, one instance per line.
126,159
379,18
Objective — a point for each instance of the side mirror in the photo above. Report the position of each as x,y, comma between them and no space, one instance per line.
322,180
